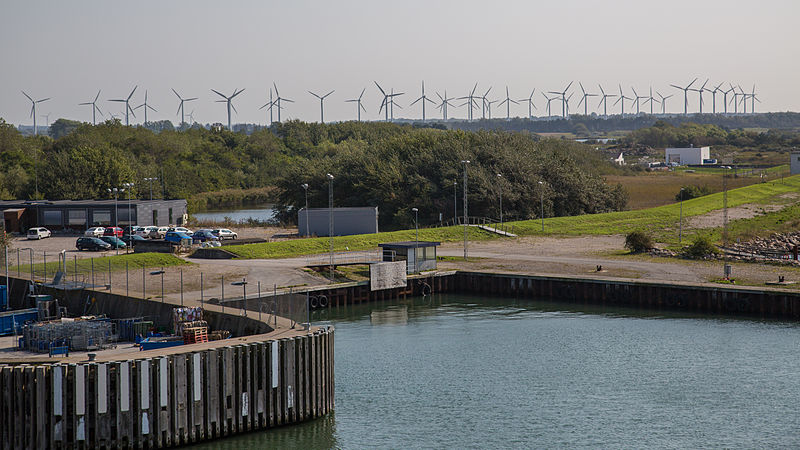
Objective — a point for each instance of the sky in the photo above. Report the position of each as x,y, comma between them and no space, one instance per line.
68,50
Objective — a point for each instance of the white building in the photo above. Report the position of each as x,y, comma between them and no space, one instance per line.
687,156
795,163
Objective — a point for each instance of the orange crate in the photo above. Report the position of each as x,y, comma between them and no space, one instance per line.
195,335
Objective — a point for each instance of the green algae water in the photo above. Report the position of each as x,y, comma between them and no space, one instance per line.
454,371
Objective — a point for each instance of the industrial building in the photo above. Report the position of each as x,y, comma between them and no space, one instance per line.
691,156
794,163
78,215
346,221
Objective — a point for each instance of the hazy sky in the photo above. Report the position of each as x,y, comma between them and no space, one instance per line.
69,49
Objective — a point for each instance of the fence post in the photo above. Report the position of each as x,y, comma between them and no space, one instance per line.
92,273
144,285
222,302
109,275
201,290
259,300
127,282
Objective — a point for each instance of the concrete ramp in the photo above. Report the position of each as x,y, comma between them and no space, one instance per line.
495,230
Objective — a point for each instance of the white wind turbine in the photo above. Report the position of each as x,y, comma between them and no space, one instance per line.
145,106
95,109
484,103
685,95
636,99
359,106
700,92
387,100
279,99
622,99
228,102
470,101
269,105
529,100
128,108
651,99
714,97
549,99
585,99
563,95
508,101
664,102
604,100
445,102
322,104
180,107
423,99
33,110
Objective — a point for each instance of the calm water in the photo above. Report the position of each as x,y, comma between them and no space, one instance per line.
257,212
469,372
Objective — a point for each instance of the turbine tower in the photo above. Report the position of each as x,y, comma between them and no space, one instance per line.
508,103
489,107
145,106
269,105
549,99
725,97
685,95
278,100
636,99
484,104
424,99
95,109
744,99
33,110
735,99
604,100
191,116
584,100
529,100
753,100
470,101
359,106
180,107
228,103
651,100
664,102
563,99
321,104
392,104
387,98
622,99
700,91
128,108
714,97
445,102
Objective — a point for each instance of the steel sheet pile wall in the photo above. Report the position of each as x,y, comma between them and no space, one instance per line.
170,400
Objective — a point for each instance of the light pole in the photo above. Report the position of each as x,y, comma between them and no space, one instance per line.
466,217
305,188
116,192
330,219
680,220
160,272
500,186
455,201
129,187
243,284
416,242
541,191
725,170
151,185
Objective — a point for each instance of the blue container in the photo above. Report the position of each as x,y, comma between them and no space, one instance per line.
12,321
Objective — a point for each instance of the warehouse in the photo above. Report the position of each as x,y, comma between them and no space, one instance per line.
691,156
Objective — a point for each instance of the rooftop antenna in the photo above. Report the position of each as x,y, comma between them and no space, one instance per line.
180,107
279,99
128,108
359,106
445,102
145,106
725,98
664,102
269,105
484,104
424,99
584,99
95,109
563,99
321,104
228,102
530,103
651,100
33,110
508,103
386,100
685,95
604,100
700,91
622,99
714,97
470,101
636,99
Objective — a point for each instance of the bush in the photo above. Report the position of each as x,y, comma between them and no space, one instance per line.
702,247
690,192
638,242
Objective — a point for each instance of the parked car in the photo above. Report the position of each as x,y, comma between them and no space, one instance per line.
224,233
95,232
38,233
132,239
145,231
204,235
159,233
183,230
113,231
91,243
178,238
129,230
114,241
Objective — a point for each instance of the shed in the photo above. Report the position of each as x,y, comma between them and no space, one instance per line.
794,163
424,258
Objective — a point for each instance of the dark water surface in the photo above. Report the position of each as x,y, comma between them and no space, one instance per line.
263,213
472,372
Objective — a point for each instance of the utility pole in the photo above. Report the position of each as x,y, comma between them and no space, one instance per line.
330,220
466,216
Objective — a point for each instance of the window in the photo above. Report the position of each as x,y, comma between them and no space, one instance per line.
52,217
170,215
155,217
127,216
76,217
101,217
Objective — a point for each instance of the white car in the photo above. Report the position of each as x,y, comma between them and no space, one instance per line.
38,233
159,233
95,232
145,231
183,230
224,233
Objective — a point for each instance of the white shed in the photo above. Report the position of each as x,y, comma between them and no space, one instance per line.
687,156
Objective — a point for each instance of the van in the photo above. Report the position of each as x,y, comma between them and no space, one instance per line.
38,233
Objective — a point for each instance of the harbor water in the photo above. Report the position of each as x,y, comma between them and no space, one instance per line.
260,213
454,371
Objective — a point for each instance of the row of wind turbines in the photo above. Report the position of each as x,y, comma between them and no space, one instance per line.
472,101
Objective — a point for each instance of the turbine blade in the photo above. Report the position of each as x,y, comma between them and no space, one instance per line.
379,87
362,93
219,93
329,93
176,93
189,99
26,95
134,90
98,96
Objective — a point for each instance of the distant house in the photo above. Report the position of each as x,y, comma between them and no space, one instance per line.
795,163
692,156
619,160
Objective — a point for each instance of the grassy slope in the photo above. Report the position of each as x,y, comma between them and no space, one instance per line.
134,261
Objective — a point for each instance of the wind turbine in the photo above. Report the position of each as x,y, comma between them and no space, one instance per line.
744,99
685,95
191,116
548,103
424,99
279,99
563,99
483,103
725,97
508,103
445,102
604,100
145,106
651,100
584,100
622,99
636,99
33,110
566,101
47,119
753,100
470,101
530,103
269,105
95,109
386,100
359,107
714,98
664,102
489,107
321,104
180,107
735,99
127,105
228,103
392,104
700,91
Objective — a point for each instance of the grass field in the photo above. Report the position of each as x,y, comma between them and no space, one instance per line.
133,260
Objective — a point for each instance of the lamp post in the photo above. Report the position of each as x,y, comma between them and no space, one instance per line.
129,187
500,186
160,272
680,220
305,188
541,191
116,192
416,242
725,170
466,217
330,220
151,185
243,284
455,201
